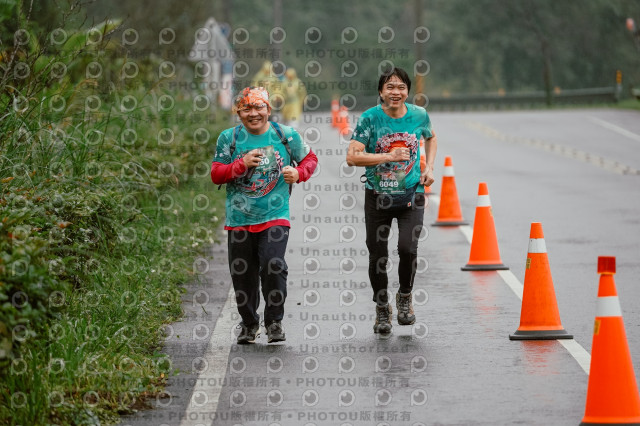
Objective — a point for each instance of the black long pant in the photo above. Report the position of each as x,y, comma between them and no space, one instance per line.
378,225
258,258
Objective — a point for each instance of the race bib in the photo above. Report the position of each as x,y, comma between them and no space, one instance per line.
261,179
389,179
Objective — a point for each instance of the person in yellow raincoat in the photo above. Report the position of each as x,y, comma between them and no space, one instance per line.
266,78
294,94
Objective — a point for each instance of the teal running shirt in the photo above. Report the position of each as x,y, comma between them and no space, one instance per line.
381,134
261,195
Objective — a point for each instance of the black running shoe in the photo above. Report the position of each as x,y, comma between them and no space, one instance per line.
275,332
383,319
248,333
404,304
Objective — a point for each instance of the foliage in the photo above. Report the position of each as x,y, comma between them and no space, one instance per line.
478,46
98,184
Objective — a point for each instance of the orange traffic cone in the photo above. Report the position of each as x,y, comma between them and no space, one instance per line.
539,316
335,107
449,212
343,119
423,165
484,255
612,392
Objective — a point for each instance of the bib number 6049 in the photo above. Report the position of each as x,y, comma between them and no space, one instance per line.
389,184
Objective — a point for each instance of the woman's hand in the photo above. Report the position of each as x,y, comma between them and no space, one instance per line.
252,158
291,175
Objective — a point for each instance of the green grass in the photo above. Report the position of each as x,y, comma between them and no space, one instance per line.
99,353
629,104
101,217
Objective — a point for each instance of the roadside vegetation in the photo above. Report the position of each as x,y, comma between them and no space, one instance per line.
105,205
629,104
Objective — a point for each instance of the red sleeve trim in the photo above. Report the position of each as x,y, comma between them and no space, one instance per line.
260,226
307,166
223,173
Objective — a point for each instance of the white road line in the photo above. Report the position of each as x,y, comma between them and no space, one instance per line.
578,352
563,150
616,129
513,282
206,392
467,231
574,348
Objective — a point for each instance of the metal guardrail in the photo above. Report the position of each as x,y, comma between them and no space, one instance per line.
506,101
524,100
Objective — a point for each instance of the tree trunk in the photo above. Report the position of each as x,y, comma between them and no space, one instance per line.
419,79
277,22
546,70
225,15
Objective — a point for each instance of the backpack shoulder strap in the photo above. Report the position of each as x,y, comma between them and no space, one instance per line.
236,133
284,140
232,146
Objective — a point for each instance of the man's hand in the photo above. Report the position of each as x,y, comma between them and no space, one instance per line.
252,158
400,154
290,174
426,178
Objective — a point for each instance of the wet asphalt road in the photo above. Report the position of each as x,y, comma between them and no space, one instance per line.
572,170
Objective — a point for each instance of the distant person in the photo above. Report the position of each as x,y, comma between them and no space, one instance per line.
386,141
263,77
294,94
254,160
218,54
267,78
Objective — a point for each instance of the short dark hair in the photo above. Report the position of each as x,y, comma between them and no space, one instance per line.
398,72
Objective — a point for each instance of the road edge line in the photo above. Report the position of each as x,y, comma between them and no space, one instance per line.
217,357
575,349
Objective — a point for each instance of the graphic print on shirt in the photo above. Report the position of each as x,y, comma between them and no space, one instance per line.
390,178
260,180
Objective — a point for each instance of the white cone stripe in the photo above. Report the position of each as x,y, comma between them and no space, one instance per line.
537,245
448,171
483,201
608,306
